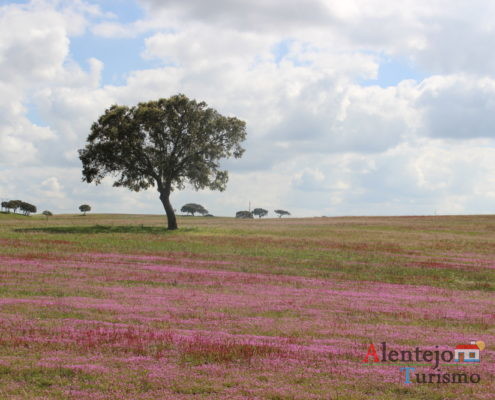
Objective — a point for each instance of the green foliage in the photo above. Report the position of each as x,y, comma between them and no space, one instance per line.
192,208
13,205
26,208
84,208
260,212
243,214
165,143
47,214
281,213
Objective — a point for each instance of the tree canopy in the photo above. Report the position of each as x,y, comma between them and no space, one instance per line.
281,213
192,208
26,208
166,144
260,212
47,214
244,214
13,205
5,206
84,208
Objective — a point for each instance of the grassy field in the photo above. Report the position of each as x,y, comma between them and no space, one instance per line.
116,307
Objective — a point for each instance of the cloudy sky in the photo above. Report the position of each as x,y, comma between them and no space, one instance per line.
362,107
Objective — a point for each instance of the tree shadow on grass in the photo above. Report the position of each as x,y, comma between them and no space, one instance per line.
93,229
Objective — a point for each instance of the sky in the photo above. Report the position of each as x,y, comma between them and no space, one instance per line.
362,107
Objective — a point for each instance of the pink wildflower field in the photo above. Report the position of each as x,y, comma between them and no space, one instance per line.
115,307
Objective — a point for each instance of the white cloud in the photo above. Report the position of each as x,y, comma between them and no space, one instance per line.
52,188
251,15
458,106
309,179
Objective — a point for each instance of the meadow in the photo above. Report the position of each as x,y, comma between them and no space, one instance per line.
116,307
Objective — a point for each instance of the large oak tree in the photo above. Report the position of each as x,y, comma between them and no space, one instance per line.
165,143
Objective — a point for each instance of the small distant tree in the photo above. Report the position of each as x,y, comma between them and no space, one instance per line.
47,214
192,208
84,208
27,208
244,214
260,212
281,213
5,206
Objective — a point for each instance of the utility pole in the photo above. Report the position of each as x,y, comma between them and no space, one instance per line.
249,205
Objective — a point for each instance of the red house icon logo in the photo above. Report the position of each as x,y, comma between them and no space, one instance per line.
468,352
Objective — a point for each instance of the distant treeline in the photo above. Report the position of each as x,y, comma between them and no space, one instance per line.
259,212
193,208
14,205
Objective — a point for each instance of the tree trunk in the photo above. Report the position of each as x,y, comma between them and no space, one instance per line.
165,199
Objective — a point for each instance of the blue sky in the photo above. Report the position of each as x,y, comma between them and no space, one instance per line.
119,55
392,71
355,108
126,11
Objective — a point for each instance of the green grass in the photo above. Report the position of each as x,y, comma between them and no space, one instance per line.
51,277
367,248
108,229
35,378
